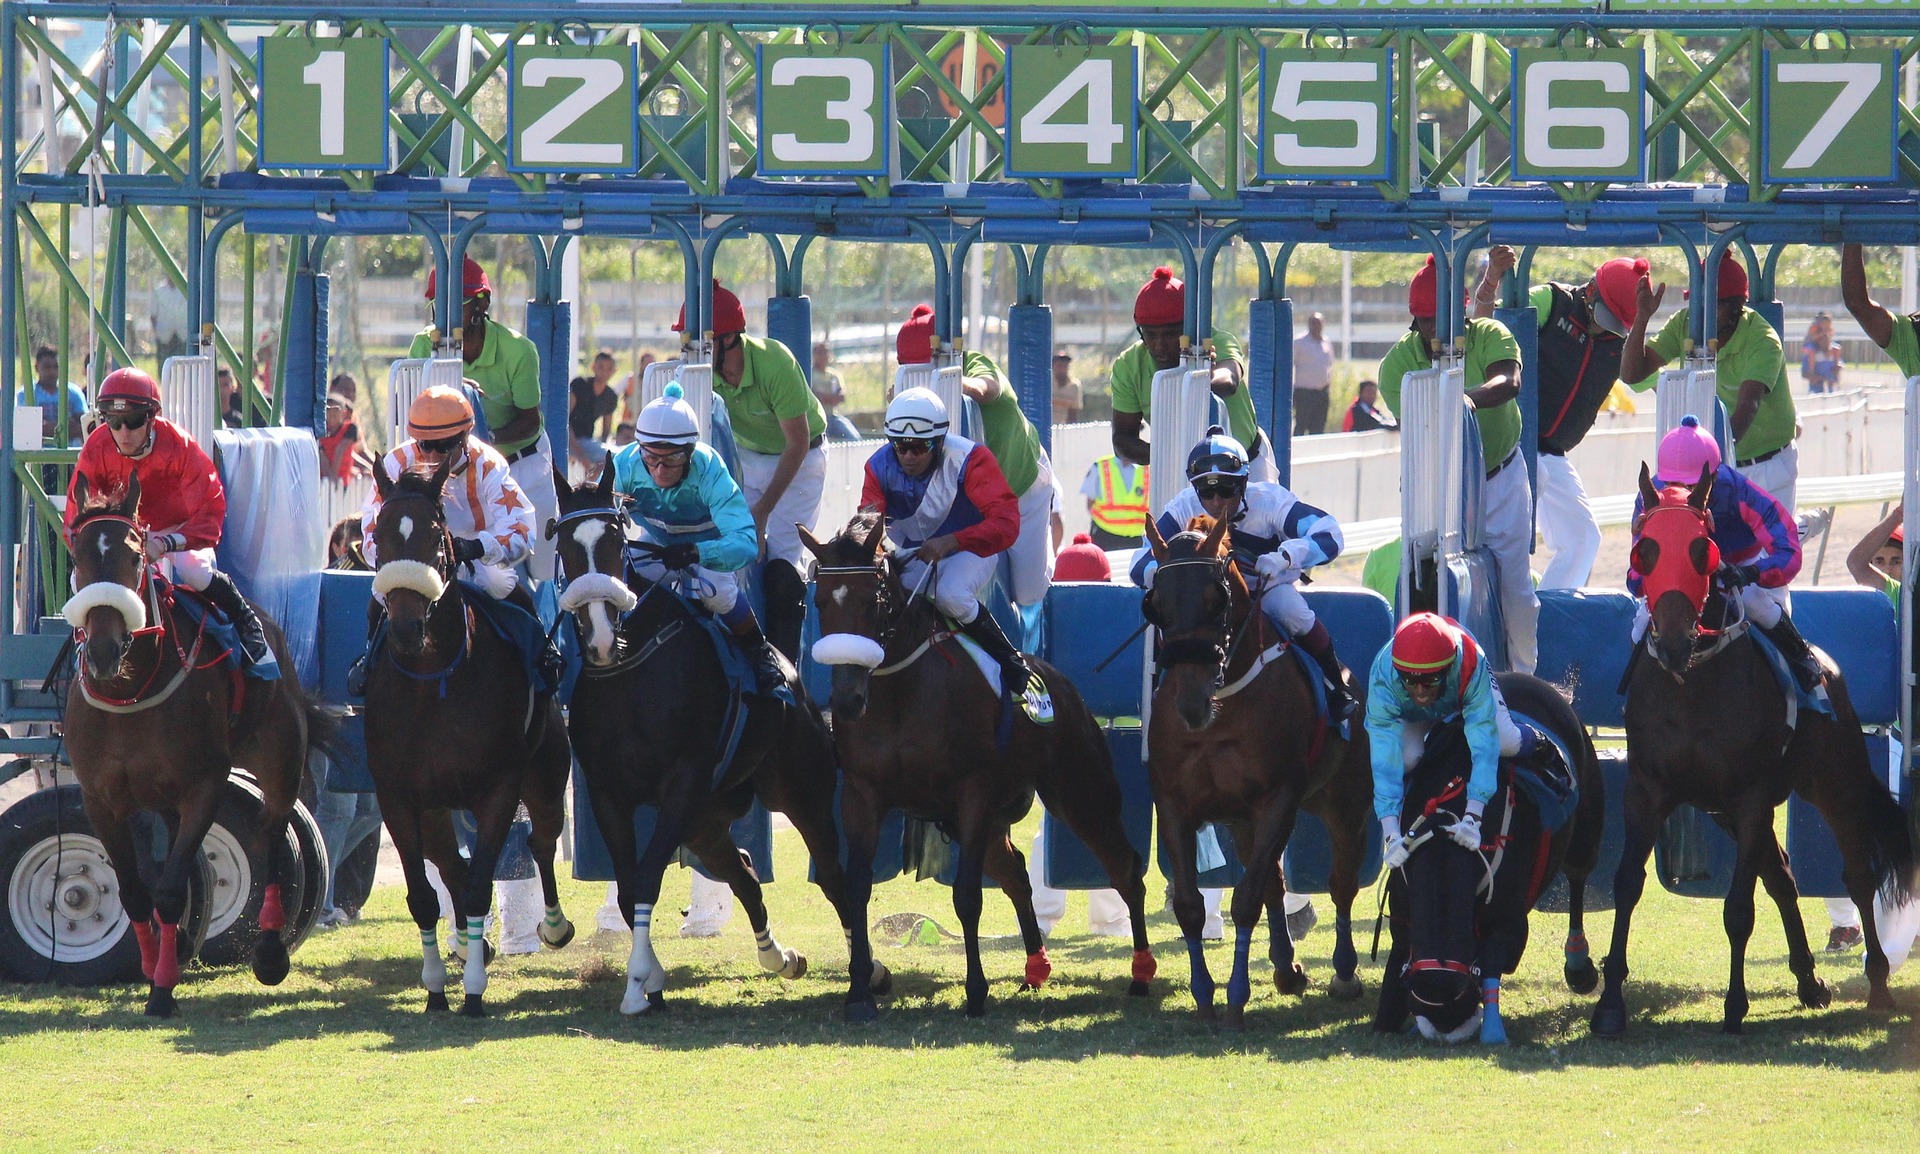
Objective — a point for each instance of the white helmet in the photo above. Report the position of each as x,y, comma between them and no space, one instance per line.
667,420
917,413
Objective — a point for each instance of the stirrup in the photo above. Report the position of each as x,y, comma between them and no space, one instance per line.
357,677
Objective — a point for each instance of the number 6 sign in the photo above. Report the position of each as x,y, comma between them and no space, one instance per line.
323,102
1579,114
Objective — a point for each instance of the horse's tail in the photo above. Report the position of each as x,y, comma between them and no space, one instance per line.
323,727
1851,788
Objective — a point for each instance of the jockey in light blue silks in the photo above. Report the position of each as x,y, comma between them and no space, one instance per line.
685,500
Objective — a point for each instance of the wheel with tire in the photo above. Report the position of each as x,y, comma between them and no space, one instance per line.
240,874
60,918
314,867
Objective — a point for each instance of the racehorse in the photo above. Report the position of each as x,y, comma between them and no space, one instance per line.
154,721
919,729
1452,940
453,723
1707,725
1232,738
649,723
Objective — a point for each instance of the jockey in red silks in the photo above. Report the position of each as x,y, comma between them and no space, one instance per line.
182,502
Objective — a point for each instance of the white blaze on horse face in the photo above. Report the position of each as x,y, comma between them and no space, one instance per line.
840,595
600,634
587,535
406,528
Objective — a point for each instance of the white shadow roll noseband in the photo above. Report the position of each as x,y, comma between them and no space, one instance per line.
590,587
417,576
848,649
108,595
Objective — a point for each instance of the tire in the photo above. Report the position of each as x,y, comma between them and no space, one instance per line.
315,870
48,851
240,876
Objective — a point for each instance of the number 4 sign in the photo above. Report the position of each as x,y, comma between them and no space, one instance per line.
1829,117
323,102
1072,111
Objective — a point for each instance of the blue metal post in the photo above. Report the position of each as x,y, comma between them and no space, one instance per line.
1030,365
1270,376
790,321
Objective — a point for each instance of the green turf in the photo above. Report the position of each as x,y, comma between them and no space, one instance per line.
341,1058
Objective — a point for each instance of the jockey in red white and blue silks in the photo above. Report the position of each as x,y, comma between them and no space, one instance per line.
946,501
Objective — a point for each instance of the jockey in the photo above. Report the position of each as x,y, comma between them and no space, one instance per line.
686,501
946,500
1433,672
1758,540
1274,534
182,502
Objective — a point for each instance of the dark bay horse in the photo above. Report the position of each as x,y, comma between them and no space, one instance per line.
1230,739
648,721
1707,726
452,723
1452,941
155,721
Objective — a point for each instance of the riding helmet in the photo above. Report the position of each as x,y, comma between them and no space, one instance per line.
1217,455
1424,643
127,389
667,420
917,413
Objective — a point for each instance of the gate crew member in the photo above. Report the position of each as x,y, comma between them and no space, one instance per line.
1750,374
1116,493
1492,383
1896,334
778,428
1581,331
1159,315
1015,445
505,366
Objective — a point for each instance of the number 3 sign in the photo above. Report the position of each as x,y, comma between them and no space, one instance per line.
323,102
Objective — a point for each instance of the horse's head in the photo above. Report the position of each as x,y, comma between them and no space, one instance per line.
416,553
1439,880
590,535
859,598
1195,591
1674,554
109,568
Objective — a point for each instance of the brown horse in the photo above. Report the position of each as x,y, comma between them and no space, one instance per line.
155,721
1707,726
919,730
452,723
1243,756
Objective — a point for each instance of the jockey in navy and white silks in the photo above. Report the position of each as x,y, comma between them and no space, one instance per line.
946,501
686,502
1275,539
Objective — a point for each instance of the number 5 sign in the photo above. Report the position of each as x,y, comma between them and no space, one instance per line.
1579,114
1326,115
1072,111
1828,117
823,111
572,109
323,102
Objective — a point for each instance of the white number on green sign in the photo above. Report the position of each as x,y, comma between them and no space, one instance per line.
1072,112
1288,149
1857,82
1579,115
323,102
598,79
1099,132
855,110
1829,116
328,73
823,111
1543,116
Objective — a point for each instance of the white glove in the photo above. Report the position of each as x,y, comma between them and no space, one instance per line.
1393,847
1466,831
1298,551
1276,569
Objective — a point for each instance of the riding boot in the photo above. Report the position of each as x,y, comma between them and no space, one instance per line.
986,633
785,594
1799,655
225,596
769,673
1318,643
357,672
1537,750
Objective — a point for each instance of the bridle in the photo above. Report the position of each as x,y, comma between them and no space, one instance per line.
625,657
158,601
890,614
1704,641
443,565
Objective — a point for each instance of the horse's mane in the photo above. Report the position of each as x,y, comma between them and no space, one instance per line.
849,545
415,482
1195,535
100,504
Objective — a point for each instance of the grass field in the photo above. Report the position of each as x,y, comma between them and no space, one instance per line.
341,1058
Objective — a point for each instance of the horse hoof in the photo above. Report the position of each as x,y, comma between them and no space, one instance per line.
160,1003
1815,994
977,1013
559,943
270,961
1583,978
1880,1000
473,1006
1206,1015
1609,1019
1235,1019
1138,990
882,981
794,965
1290,981
1732,1026
437,1001
861,1012
1346,989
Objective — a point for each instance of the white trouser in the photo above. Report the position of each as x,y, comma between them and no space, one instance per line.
1285,607
1263,467
1413,734
1778,474
1842,912
710,908
1763,607
534,474
1106,910
799,504
193,568
522,905
1508,499
958,581
1567,524
716,590
1031,556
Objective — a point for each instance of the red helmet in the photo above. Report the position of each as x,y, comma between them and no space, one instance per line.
473,280
914,344
1425,644
728,316
129,388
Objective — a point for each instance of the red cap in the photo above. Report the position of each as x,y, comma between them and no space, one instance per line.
1732,281
1898,536
128,388
1618,281
1082,561
1423,299
728,316
915,342
1162,300
473,279
1425,643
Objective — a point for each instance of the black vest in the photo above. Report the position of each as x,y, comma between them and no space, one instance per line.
1577,370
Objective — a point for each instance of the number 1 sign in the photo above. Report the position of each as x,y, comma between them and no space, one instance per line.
323,102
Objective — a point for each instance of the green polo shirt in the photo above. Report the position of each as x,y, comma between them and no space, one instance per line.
1132,386
1488,343
508,373
771,389
1752,353
1904,348
1011,438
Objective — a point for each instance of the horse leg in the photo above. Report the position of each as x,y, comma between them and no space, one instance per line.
1646,809
170,893
493,819
1177,836
860,816
1008,866
1106,837
116,836
1269,838
547,808
811,812
1346,833
1775,874
713,841
1737,916
1583,851
441,846
967,901
646,977
613,812
403,826
278,759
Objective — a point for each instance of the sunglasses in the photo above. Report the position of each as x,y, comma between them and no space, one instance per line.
443,445
678,455
133,420
913,446
1213,490
1423,680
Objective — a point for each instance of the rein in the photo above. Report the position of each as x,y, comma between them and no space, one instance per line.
444,554
158,596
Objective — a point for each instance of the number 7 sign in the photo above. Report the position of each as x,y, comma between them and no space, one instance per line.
323,102
1828,117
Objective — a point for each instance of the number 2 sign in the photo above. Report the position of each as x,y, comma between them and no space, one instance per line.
323,102
572,109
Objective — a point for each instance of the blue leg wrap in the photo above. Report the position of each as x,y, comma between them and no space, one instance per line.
1493,1031
1345,958
1201,981
1239,987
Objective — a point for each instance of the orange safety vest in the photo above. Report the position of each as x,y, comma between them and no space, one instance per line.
1120,509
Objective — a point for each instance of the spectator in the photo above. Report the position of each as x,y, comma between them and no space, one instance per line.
1312,376
826,385
1116,493
344,547
1365,412
232,415
630,392
339,459
47,391
623,435
1879,560
1820,361
592,404
346,386
1082,561
1068,396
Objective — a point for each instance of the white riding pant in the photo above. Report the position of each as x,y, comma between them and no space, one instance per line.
1106,911
800,504
1413,734
193,568
958,582
1508,532
1031,557
1263,467
1763,607
534,474
1287,608
716,590
1778,474
1567,524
